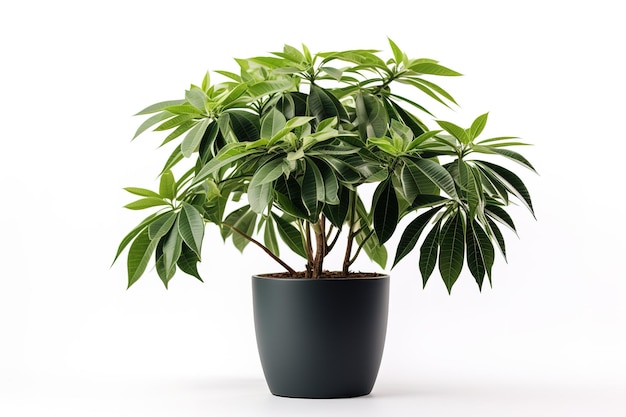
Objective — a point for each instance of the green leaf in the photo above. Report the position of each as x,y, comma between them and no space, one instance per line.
331,184
269,236
142,192
385,211
197,98
206,81
312,188
268,172
260,196
162,225
428,200
415,182
428,253
512,182
398,55
272,123
513,156
133,233
167,186
288,195
337,213
456,131
174,158
246,225
437,174
145,203
139,254
172,249
480,253
323,105
498,236
187,262
184,126
433,69
268,87
452,250
499,214
371,116
221,160
478,125
192,141
412,233
191,227
290,235
151,122
174,122
160,106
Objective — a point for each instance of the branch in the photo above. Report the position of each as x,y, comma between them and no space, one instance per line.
259,244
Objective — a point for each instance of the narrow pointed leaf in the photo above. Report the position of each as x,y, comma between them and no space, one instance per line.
452,250
272,123
478,125
290,235
412,233
167,185
498,236
512,182
269,236
433,69
187,262
162,225
428,253
139,255
191,227
133,233
145,203
151,122
160,106
499,214
456,131
142,192
312,188
438,175
385,211
191,143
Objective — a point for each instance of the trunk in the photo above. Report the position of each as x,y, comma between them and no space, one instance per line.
320,251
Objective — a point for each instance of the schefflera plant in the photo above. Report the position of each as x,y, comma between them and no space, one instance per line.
281,150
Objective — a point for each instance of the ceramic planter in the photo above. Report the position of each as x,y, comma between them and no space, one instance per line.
320,338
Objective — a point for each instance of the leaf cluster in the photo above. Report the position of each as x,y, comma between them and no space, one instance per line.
279,151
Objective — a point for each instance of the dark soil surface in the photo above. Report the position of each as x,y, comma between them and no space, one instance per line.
325,274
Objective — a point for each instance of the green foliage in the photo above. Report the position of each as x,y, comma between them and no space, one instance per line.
285,144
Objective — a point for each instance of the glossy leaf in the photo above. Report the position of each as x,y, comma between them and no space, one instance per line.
272,123
428,253
160,106
312,188
512,182
162,225
412,233
151,122
451,250
167,185
145,203
191,143
269,236
191,227
433,69
498,236
133,233
188,262
456,131
290,235
372,119
139,255
478,125
142,192
437,174
385,211
480,254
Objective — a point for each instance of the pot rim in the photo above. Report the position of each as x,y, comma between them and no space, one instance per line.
381,276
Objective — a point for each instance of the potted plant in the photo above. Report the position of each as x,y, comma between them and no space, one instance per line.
286,149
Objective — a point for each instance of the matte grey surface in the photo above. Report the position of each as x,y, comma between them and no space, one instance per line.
320,338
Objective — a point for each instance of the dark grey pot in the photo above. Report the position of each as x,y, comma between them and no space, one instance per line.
320,338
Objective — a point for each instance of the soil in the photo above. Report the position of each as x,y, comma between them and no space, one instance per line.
325,274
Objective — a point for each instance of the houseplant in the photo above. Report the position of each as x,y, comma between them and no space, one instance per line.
282,150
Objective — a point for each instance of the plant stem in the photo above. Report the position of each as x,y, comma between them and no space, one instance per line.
259,244
320,251
352,214
309,251
361,246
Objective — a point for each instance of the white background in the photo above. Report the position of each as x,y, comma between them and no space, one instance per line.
547,340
